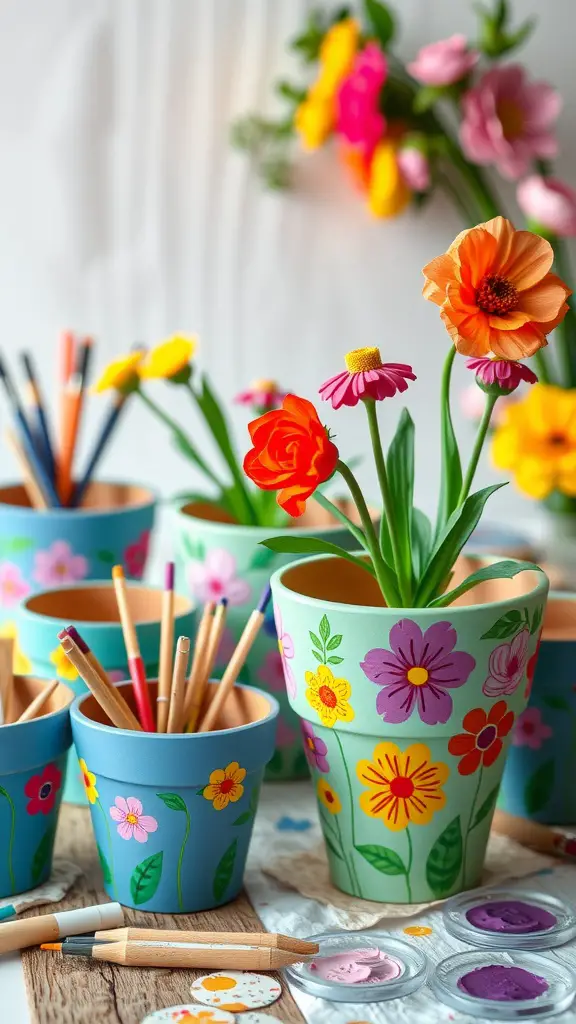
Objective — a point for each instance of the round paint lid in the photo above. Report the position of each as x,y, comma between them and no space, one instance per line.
510,919
504,985
376,968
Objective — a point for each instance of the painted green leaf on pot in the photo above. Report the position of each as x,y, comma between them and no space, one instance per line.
537,619
386,861
324,628
506,626
145,878
42,854
487,806
245,817
254,799
262,558
318,657
334,659
332,847
106,873
316,640
173,801
15,545
224,871
195,549
445,859
556,702
539,787
334,642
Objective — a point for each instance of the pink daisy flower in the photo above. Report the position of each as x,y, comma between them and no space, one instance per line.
262,395
366,376
132,824
504,374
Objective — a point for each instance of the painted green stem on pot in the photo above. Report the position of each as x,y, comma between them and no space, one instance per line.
11,839
478,446
352,809
180,860
469,829
110,849
346,861
409,865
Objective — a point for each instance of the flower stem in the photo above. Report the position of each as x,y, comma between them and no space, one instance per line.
478,445
409,865
469,829
458,198
183,440
11,840
386,578
346,861
567,329
110,849
333,509
542,367
180,859
352,815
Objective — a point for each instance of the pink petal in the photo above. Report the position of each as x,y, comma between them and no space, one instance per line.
134,806
542,104
287,645
519,645
140,834
238,591
495,687
121,803
117,815
125,830
220,564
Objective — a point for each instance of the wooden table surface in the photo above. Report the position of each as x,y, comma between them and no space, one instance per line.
79,991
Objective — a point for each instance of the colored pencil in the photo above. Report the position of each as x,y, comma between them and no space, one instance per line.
135,662
179,954
209,660
175,714
93,681
106,432
166,645
26,439
535,836
31,484
66,355
72,404
195,687
6,679
37,404
125,709
235,664
272,940
39,701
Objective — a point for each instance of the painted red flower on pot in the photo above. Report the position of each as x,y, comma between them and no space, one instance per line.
507,666
418,672
482,742
42,790
136,554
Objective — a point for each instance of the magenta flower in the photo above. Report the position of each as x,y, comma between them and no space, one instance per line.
415,168
314,748
286,649
507,120
13,586
418,671
271,672
58,564
136,554
549,204
285,736
132,824
530,730
358,117
444,62
263,395
502,374
507,666
366,376
215,578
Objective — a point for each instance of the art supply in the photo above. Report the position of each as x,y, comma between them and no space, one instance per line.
72,404
176,710
36,404
166,645
509,919
38,486
501,983
197,679
535,836
189,1014
271,941
6,679
32,931
367,964
34,709
236,991
24,439
131,722
180,954
236,663
215,637
135,662
102,691
108,427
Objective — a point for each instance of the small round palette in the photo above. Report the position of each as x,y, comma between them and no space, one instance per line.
365,967
510,919
236,991
504,985
189,1014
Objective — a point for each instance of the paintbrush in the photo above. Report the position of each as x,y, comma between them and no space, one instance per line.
211,956
26,440
535,836
131,722
73,401
38,703
272,941
106,432
37,405
166,645
175,714
195,688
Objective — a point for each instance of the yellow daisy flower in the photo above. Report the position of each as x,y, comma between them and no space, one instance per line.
329,696
169,359
225,786
64,667
314,119
403,787
21,663
328,797
122,374
89,780
536,441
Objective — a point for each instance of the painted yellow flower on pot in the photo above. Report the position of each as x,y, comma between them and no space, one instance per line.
21,662
121,374
63,665
536,441
328,797
225,786
404,787
329,696
89,780
169,359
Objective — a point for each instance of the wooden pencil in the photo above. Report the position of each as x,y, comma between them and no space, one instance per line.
166,645
272,941
38,703
93,681
175,713
6,679
235,664
179,954
218,623
72,404
135,662
31,483
125,709
194,689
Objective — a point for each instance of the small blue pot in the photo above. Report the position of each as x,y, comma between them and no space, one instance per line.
542,756
173,814
92,609
32,771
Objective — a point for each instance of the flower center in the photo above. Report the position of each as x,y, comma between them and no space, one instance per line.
132,819
513,666
557,439
227,785
363,359
417,675
45,790
281,648
310,743
87,783
486,737
327,696
60,569
496,295
528,728
328,796
264,386
401,787
511,118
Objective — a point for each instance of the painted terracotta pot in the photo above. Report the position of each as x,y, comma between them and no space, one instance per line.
542,756
92,609
173,814
406,719
32,770
218,558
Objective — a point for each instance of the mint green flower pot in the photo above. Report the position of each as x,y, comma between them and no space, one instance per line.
407,715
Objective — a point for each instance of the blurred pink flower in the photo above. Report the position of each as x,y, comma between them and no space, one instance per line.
271,672
504,373
444,62
415,168
215,578
286,651
549,204
13,586
530,730
507,666
358,118
58,564
507,120
263,395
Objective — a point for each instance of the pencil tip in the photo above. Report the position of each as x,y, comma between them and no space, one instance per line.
51,945
265,599
78,640
117,572
224,601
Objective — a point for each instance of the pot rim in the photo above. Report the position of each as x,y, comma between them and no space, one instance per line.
93,511
26,613
240,529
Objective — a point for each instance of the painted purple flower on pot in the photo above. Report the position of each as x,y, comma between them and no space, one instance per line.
13,586
215,578
507,666
314,748
286,648
132,824
418,671
530,730
58,564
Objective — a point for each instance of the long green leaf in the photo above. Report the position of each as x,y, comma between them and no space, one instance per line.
313,546
381,21
451,472
421,542
400,471
504,570
341,516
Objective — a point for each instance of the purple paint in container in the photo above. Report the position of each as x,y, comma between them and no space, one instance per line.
510,919
510,916
501,983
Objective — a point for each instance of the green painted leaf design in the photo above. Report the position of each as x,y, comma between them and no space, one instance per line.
386,861
14,545
445,859
254,799
224,870
332,847
194,548
334,659
556,702
200,792
173,801
334,642
539,787
507,625
537,619
106,873
145,878
42,854
318,657
486,806
106,556
316,640
262,558
243,818
324,628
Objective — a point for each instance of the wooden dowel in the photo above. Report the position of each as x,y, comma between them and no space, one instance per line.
38,702
135,661
31,484
175,715
94,683
194,694
125,709
166,645
6,679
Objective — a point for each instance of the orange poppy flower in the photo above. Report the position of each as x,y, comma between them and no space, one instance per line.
482,741
495,291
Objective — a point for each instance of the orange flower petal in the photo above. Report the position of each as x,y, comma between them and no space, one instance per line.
460,744
518,344
492,753
469,763
439,274
475,256
474,720
503,231
529,260
508,321
543,301
497,711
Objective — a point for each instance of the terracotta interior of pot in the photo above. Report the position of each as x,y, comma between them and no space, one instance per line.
333,579
26,688
98,604
242,707
560,619
101,496
315,517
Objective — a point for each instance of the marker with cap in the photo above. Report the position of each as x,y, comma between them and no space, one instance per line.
32,931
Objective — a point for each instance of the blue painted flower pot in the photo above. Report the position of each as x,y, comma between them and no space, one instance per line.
542,756
173,814
92,609
32,770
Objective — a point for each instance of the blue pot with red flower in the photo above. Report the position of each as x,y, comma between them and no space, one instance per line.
32,771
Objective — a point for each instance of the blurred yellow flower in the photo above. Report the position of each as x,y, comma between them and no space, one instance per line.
169,359
121,374
64,667
536,442
328,797
388,193
314,119
20,662
315,116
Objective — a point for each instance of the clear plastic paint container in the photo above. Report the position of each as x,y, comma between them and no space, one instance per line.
510,919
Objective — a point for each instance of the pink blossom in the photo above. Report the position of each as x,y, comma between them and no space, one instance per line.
548,203
444,62
505,374
58,564
530,730
415,168
366,376
507,666
13,586
132,824
359,119
136,554
314,748
286,649
271,672
285,736
262,395
507,120
215,578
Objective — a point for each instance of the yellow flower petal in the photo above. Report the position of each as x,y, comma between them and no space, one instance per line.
404,787
388,194
21,663
121,374
221,800
236,793
169,358
328,797
217,776
64,667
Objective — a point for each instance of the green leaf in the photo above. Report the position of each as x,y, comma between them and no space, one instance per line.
486,806
451,471
173,801
505,570
332,847
539,787
262,558
507,625
400,470
313,546
290,92
216,421
318,657
557,703
537,619
445,859
194,549
324,628
254,799
381,21
421,534
334,659
145,878
334,642
43,853
106,873
224,871
106,556
187,449
427,96
316,641
385,541
386,861
14,545
243,818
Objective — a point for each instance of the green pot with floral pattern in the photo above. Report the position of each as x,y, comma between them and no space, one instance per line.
406,718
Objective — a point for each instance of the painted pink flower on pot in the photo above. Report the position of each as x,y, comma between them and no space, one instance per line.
286,648
418,672
285,736
530,730
215,578
507,666
271,672
136,554
13,586
132,824
314,748
58,564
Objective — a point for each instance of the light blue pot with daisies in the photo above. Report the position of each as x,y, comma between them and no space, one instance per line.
406,717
